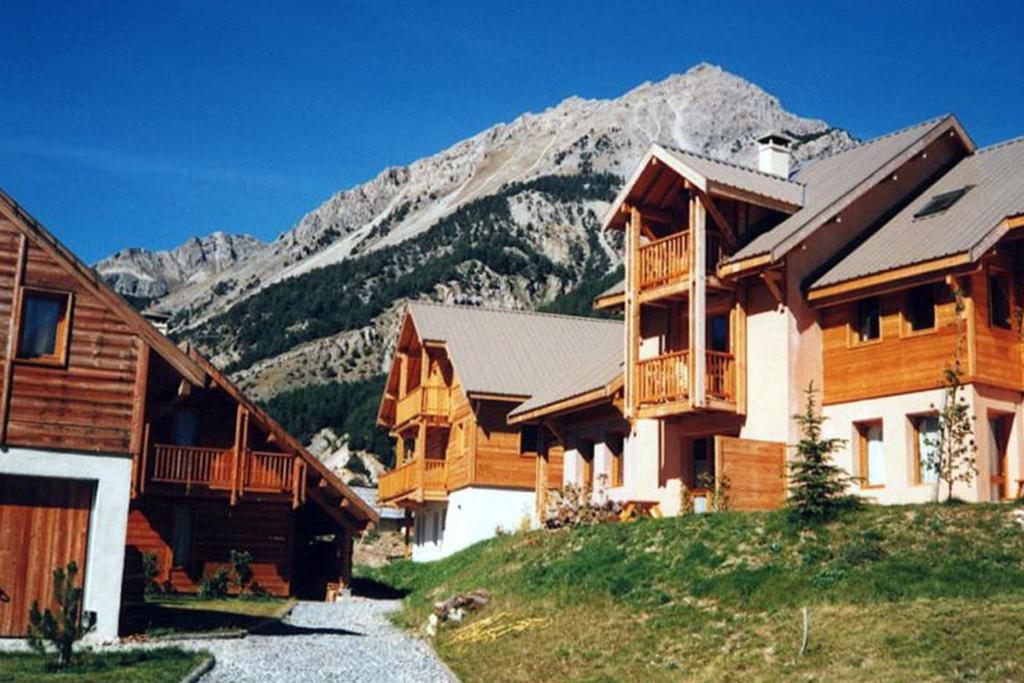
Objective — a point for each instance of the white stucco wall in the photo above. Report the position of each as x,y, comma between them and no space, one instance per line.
108,521
898,441
471,515
768,375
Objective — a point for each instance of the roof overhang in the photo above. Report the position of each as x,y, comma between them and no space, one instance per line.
657,155
615,300
570,404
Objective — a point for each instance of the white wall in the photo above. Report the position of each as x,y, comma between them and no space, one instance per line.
768,373
898,441
471,515
108,521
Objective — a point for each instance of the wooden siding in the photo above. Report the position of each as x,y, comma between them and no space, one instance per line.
261,529
897,362
756,471
997,352
86,404
44,524
497,458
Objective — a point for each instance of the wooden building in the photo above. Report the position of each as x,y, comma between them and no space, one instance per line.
867,272
113,438
462,469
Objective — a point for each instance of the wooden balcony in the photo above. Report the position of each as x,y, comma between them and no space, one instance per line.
664,263
217,469
418,481
424,403
665,379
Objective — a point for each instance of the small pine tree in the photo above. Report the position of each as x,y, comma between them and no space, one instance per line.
952,453
241,565
69,625
817,487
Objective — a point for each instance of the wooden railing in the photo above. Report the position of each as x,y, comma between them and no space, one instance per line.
668,258
192,465
664,260
720,373
664,378
419,478
261,471
423,401
269,472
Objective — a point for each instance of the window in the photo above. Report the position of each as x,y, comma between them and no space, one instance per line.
43,333
941,202
181,541
866,323
999,302
528,440
919,312
718,333
872,454
185,427
615,443
926,442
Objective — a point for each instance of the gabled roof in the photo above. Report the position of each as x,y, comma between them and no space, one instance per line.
88,278
515,353
972,225
709,175
836,181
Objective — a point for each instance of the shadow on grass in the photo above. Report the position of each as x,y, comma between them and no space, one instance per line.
375,590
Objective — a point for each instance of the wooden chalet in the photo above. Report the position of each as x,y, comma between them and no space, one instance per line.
461,468
113,438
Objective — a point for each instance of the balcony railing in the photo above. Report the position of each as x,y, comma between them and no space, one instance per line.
214,468
421,479
668,259
665,378
424,401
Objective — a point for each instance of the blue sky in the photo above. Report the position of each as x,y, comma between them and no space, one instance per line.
142,123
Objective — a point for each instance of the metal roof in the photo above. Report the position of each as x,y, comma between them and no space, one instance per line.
518,353
843,175
739,177
995,176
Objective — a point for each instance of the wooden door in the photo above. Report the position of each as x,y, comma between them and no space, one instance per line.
998,445
44,524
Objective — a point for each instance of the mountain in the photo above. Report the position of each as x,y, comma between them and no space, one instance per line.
149,275
509,217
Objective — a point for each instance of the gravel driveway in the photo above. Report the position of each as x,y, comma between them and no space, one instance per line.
351,640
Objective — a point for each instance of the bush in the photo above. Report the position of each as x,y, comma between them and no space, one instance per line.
240,564
69,625
215,586
574,506
150,570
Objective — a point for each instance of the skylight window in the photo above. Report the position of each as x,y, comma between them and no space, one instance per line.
941,202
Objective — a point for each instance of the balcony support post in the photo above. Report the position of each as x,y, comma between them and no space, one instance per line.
632,342
697,303
738,335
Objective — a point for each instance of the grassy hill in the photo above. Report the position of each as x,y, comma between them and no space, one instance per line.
917,593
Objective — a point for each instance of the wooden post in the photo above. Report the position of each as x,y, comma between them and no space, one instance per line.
139,411
739,347
542,473
632,301
421,457
12,339
698,266
236,455
144,459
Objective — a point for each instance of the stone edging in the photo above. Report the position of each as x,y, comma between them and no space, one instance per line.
200,669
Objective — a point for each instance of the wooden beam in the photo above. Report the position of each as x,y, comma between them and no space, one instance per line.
139,396
723,225
236,456
739,343
741,267
697,303
632,327
145,458
13,330
835,293
773,280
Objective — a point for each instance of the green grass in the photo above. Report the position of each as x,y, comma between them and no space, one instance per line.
138,666
172,614
898,593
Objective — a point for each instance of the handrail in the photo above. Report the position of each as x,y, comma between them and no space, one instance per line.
264,471
416,476
664,259
664,378
721,376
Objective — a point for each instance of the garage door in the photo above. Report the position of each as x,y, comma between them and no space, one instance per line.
44,524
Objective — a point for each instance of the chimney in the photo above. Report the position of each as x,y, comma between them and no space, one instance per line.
773,154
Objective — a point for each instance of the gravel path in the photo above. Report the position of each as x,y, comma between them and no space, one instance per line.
349,640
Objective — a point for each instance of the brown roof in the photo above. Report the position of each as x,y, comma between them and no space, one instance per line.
995,176
521,354
835,181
